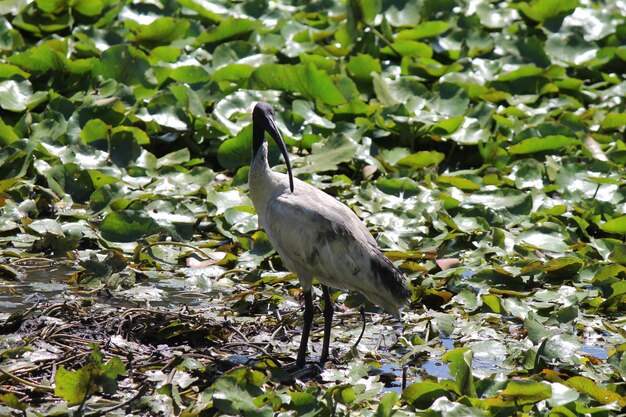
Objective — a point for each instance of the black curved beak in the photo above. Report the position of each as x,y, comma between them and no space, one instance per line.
272,129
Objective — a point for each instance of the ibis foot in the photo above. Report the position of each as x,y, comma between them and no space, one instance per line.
306,372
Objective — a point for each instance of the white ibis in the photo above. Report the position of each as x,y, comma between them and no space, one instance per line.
316,236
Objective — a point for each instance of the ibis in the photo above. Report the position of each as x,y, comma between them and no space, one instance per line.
317,236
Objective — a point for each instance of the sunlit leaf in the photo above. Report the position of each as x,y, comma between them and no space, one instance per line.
326,156
73,386
14,95
460,362
7,135
189,74
421,159
88,7
548,143
362,66
161,31
520,392
391,92
613,121
540,10
616,225
586,385
226,29
459,182
303,79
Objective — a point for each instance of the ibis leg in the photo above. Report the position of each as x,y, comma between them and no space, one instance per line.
362,311
328,321
306,328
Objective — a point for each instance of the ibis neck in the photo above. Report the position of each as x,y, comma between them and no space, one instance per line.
258,138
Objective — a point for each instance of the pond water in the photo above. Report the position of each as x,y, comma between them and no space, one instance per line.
37,281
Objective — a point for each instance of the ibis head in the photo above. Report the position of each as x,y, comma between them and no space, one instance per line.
264,120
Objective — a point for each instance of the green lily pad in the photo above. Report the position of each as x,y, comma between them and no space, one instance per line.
421,159
616,225
307,80
548,143
613,121
161,31
127,226
540,11
126,64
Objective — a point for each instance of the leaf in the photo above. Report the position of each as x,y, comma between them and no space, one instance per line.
73,386
15,95
306,80
326,156
109,373
460,362
548,143
400,90
208,10
493,302
232,399
594,149
7,134
233,73
71,179
541,10
613,121
424,30
124,145
421,395
408,48
616,225
40,59
543,239
361,66
522,72
12,401
98,179
77,386
587,386
161,31
88,7
304,403
369,9
9,71
572,50
127,226
459,182
447,126
385,407
422,159
174,158
165,110
189,74
126,64
306,111
521,392
345,394
228,28
236,152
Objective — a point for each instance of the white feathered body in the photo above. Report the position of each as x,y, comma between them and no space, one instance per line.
316,236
